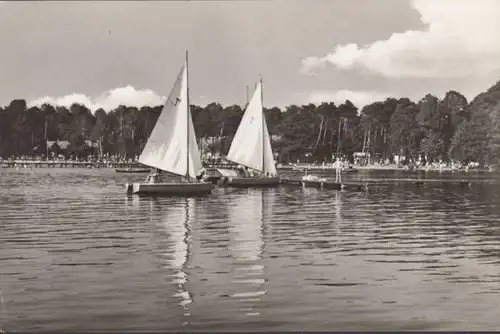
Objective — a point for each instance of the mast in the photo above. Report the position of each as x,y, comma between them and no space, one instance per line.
46,144
187,117
246,103
338,137
263,125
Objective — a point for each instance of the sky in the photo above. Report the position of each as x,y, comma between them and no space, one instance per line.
104,54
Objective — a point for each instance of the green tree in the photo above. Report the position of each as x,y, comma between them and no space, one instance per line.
472,138
405,132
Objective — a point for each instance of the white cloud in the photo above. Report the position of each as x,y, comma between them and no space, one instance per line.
358,98
462,38
111,99
311,63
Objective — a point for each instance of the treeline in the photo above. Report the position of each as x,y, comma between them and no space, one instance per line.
451,128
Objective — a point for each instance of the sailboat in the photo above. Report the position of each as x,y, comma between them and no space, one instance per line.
251,146
172,146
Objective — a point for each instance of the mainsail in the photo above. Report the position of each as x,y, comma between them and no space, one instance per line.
251,145
172,146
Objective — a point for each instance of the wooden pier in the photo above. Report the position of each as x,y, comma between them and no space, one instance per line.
363,185
67,164
422,182
323,184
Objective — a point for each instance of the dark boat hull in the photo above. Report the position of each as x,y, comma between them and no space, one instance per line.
170,189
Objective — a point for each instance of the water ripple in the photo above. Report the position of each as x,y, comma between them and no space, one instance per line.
78,254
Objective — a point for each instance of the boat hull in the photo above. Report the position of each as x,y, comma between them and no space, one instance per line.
170,189
214,175
350,170
251,182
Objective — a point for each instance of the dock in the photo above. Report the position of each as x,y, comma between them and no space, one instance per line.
323,184
421,182
67,164
364,184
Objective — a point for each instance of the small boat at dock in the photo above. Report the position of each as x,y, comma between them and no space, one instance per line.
214,175
132,170
304,167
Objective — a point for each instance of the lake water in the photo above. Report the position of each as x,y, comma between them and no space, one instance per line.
77,253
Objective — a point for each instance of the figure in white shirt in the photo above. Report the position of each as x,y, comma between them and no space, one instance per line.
152,176
338,170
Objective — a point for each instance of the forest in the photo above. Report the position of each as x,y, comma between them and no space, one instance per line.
450,128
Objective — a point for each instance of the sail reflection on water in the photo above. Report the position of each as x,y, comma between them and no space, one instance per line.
176,226
246,247
337,221
338,215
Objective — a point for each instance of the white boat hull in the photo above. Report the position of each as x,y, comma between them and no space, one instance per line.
252,182
170,189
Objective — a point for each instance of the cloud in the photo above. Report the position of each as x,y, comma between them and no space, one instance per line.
312,63
462,38
358,98
111,99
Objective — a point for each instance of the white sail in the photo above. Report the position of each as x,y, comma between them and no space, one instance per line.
251,145
269,164
167,147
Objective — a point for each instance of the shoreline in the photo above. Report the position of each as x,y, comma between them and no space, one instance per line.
67,164
392,167
422,169
93,164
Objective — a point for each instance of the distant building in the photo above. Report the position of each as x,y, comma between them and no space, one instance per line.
275,137
92,143
63,144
